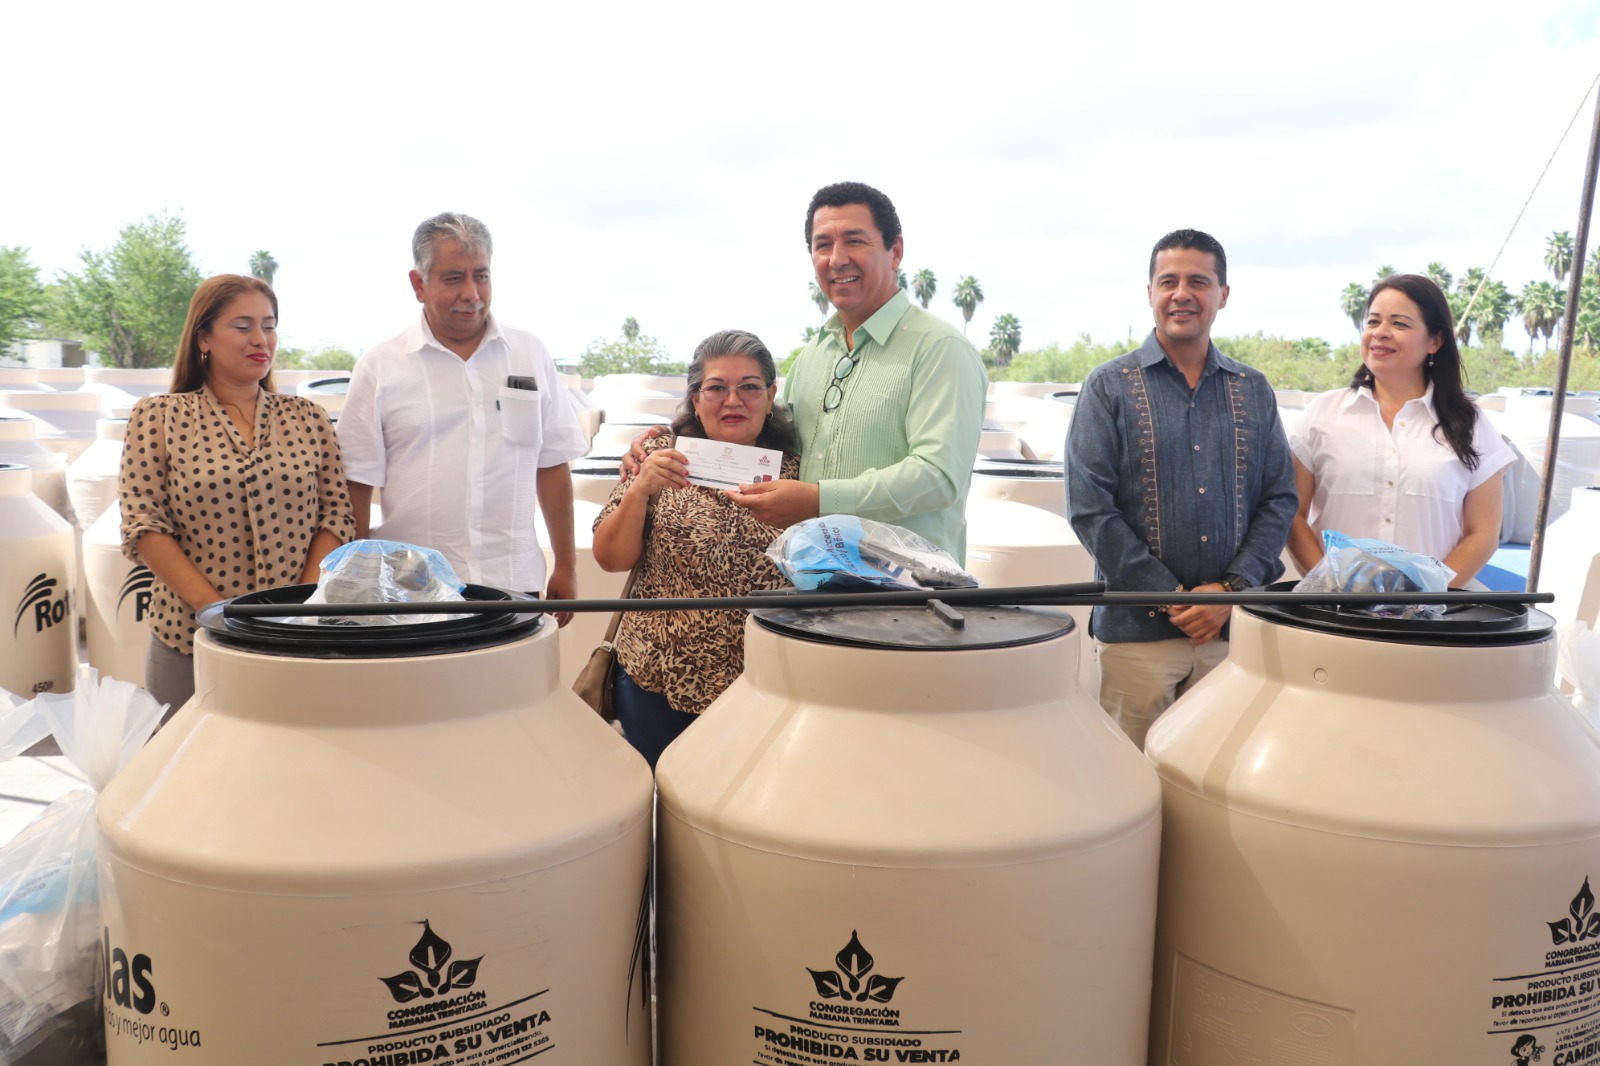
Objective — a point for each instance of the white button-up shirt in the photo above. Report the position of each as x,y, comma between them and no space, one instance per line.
456,451
1400,485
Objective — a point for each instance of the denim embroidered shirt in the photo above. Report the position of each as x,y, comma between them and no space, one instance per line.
1171,487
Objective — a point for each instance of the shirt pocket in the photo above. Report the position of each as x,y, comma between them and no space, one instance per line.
1351,466
521,417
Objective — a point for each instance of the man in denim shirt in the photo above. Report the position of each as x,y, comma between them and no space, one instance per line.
1178,478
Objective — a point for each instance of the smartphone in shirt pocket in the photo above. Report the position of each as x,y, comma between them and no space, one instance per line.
520,414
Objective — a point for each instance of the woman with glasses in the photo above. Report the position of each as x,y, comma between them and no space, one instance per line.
689,540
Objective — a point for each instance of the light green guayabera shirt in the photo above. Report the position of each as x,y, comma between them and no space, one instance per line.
901,445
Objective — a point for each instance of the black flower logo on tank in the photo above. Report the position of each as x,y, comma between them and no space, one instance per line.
439,975
854,979
1582,921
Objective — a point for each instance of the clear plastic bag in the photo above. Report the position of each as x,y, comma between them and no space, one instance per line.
1352,564
843,553
384,571
50,969
1578,662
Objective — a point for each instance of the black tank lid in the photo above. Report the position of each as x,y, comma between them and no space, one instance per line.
278,636
1477,624
935,628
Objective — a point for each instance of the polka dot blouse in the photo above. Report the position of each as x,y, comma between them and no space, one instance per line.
244,516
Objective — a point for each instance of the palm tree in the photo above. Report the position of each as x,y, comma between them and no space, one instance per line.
1467,311
630,329
1541,305
819,298
1495,306
1005,337
968,295
924,284
900,276
1383,272
1353,302
1558,253
263,266
1437,273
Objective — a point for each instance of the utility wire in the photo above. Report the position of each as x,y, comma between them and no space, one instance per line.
1487,274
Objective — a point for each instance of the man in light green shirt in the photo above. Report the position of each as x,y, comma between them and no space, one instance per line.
888,398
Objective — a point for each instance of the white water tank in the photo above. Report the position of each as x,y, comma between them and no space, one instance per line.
1526,424
584,633
38,590
1045,436
1036,482
390,844
65,420
593,479
1570,565
92,477
135,381
19,444
1014,543
1379,845
116,602
327,391
908,842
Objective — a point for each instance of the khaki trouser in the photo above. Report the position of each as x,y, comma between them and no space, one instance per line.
1138,681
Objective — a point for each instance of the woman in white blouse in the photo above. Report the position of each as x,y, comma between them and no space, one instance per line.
1403,455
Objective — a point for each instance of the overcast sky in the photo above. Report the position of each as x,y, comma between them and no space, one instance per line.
655,160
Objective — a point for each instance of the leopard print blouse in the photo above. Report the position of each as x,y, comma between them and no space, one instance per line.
697,542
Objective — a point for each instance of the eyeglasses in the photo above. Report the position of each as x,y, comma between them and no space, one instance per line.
841,370
748,390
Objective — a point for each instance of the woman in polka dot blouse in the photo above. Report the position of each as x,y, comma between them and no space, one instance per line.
226,486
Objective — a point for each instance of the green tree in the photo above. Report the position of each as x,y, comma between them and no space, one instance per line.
22,299
819,298
1494,307
639,354
1353,303
1005,337
1437,273
968,295
1462,306
1541,305
900,278
1383,272
263,266
128,302
923,285
327,358
630,329
1558,251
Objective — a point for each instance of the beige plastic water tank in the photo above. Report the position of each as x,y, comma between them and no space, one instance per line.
38,590
116,602
584,633
19,444
1380,842
1570,565
65,420
1014,543
92,476
894,841
425,847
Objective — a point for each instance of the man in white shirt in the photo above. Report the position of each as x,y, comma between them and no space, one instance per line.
463,423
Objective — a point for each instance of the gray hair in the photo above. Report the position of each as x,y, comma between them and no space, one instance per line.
463,229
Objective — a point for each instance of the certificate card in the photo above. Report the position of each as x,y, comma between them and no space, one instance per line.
727,466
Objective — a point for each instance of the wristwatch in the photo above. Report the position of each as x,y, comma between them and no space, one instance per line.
1234,583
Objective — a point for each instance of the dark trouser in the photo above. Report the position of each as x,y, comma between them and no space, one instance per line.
648,720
